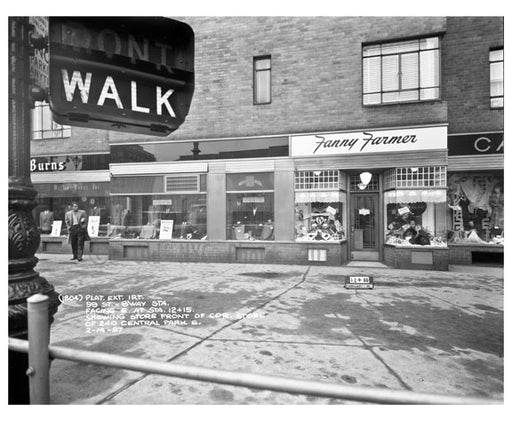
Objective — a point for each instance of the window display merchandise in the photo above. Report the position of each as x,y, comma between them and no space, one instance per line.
475,208
319,221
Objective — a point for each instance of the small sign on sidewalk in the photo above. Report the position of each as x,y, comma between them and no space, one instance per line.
359,282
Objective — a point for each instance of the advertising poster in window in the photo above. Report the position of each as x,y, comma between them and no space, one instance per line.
56,228
93,226
166,229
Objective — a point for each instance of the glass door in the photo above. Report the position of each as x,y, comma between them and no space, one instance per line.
364,215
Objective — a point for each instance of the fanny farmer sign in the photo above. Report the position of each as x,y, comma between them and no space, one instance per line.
370,141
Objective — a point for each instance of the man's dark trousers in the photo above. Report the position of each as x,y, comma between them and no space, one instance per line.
77,239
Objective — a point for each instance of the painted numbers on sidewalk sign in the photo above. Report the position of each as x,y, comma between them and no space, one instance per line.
359,282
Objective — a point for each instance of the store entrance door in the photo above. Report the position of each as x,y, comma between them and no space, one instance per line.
364,224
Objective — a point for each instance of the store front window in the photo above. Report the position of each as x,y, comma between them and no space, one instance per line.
54,200
320,206
158,217
162,207
415,205
475,208
250,206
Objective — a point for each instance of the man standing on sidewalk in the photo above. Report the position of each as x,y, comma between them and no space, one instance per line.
76,221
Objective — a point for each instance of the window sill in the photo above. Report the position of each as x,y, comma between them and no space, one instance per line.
383,104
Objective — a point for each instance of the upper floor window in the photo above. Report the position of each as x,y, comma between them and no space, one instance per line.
401,71
496,77
262,68
43,126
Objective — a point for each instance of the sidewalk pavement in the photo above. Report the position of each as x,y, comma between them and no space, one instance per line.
426,331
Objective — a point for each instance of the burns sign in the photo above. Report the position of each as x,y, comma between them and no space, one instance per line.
126,74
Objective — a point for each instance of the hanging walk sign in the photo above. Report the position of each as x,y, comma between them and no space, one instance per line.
121,73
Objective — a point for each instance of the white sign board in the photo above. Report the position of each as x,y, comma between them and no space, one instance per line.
39,61
56,228
404,210
251,199
93,226
166,229
370,141
331,210
158,202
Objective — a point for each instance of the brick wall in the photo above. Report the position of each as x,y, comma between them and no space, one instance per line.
82,140
316,76
226,252
462,254
465,58
402,258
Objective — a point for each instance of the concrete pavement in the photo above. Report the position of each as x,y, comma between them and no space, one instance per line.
426,331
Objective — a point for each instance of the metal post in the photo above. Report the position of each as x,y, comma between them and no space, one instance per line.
38,354
24,236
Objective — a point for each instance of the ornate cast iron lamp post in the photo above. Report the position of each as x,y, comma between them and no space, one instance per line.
23,233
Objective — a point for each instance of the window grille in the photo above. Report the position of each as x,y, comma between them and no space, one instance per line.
401,71
415,177
318,180
496,77
390,179
182,183
43,126
355,181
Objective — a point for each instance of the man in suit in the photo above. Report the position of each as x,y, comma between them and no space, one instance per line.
76,221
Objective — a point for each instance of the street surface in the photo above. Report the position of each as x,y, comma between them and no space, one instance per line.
425,331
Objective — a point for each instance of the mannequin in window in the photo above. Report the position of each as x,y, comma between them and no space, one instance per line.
117,211
148,231
267,233
197,221
239,230
496,201
46,221
94,211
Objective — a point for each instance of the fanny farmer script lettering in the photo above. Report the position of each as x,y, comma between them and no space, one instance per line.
367,139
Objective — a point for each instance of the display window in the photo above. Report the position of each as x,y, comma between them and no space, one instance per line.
158,217
250,206
475,208
53,209
250,216
320,206
319,221
415,206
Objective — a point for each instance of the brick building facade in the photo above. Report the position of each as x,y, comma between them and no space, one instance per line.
238,182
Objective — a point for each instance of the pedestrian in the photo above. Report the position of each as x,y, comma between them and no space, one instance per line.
76,221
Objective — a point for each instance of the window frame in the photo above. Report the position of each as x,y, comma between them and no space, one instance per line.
399,55
502,96
38,114
413,178
255,72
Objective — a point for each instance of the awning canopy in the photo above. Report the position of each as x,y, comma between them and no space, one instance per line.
411,196
319,196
